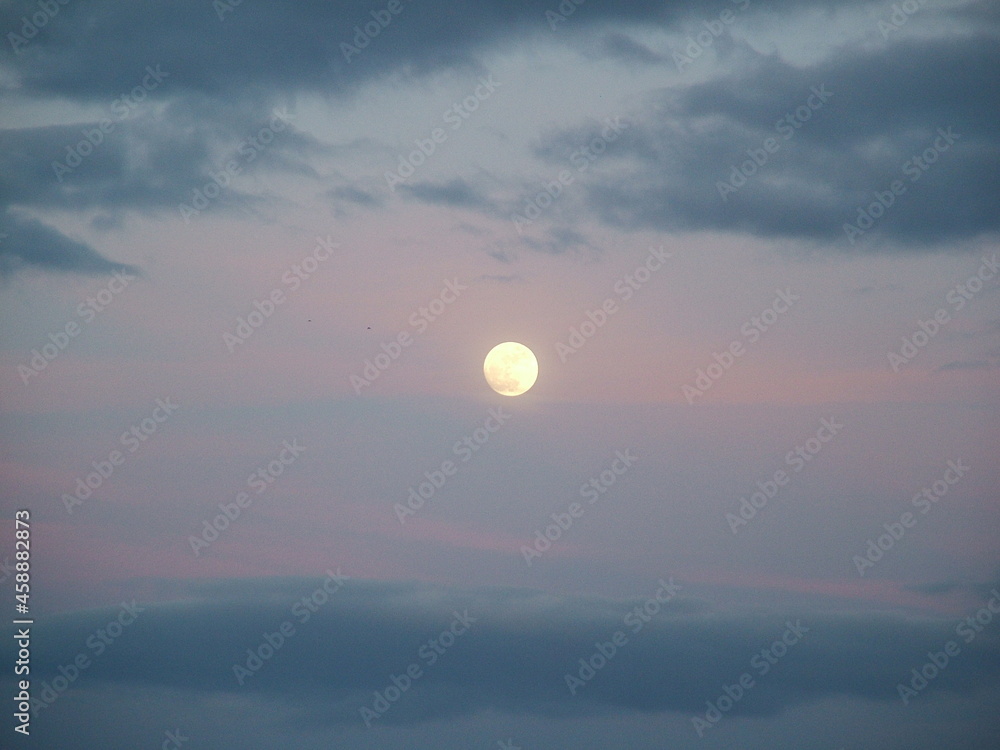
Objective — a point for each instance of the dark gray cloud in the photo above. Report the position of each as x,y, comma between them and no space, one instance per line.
356,195
513,657
95,50
456,193
887,105
145,161
136,162
28,242
623,47
225,75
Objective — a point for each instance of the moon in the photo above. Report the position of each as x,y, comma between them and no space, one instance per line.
510,368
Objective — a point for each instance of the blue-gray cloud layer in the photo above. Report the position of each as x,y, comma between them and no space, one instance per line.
226,74
842,131
514,656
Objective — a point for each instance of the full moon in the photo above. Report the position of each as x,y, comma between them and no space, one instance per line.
510,368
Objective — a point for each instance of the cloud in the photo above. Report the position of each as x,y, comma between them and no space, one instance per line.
456,193
27,242
356,195
978,364
513,657
145,162
557,240
95,50
834,153
662,174
623,47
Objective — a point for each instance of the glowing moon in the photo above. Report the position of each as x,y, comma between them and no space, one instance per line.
510,368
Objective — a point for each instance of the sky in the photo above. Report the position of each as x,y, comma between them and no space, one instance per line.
252,258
